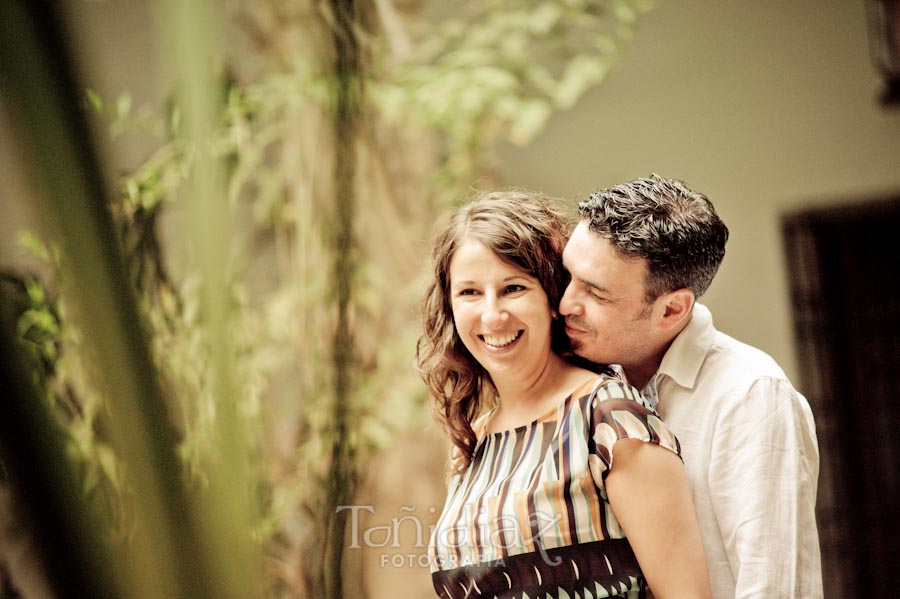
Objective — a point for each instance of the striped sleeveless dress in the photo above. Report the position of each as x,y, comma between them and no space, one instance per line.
530,516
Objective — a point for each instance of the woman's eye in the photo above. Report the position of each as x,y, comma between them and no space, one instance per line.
466,292
514,288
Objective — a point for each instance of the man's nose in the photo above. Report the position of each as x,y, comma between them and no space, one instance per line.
568,305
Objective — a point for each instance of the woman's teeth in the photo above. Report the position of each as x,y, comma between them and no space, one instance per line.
502,340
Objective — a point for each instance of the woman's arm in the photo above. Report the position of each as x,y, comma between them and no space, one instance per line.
650,497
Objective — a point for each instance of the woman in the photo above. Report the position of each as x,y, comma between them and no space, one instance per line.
537,505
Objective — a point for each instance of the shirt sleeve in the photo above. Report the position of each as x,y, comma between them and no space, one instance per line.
763,474
619,411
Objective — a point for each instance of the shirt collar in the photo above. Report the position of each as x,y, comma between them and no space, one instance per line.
685,356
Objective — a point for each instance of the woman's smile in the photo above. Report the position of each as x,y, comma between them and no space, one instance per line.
501,341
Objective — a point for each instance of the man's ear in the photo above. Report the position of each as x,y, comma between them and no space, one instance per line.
675,308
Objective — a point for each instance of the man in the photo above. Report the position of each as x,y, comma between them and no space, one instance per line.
641,255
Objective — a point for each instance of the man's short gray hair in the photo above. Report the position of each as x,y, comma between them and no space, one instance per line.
676,230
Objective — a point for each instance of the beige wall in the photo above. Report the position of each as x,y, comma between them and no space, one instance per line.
765,106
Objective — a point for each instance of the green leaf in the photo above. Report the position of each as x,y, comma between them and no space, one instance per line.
109,464
624,12
581,73
38,320
35,292
544,18
31,242
123,105
132,189
529,122
95,100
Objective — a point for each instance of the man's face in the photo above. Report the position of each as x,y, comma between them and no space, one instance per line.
607,318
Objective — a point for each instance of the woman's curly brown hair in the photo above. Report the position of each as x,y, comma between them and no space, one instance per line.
525,230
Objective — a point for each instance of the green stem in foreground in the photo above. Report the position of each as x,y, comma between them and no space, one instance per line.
347,105
39,84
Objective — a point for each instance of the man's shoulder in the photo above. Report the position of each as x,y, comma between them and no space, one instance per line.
730,351
739,366
704,358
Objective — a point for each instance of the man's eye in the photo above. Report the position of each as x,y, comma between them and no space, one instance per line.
595,296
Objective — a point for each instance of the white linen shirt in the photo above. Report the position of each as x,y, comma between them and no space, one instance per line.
749,446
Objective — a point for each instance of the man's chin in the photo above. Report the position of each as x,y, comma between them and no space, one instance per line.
580,349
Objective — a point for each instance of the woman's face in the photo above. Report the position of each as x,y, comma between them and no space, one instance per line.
501,313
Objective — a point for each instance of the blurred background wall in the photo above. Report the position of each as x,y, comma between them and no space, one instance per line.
767,107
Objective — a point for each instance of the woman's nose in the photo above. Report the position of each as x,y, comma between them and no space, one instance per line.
493,314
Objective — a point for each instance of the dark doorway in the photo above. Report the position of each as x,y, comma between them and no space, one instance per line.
844,266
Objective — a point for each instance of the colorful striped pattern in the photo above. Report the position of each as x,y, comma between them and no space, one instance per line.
540,487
